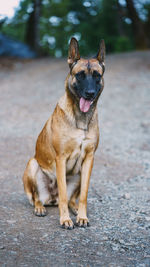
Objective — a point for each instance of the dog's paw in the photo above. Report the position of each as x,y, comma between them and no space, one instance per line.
66,223
40,211
82,222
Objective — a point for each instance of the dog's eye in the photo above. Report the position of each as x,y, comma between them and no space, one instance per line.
96,75
80,75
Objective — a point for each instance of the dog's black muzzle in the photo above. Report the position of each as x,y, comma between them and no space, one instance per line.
90,88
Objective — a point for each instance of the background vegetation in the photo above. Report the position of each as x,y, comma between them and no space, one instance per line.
47,25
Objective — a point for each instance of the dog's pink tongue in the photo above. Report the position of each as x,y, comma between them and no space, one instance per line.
84,104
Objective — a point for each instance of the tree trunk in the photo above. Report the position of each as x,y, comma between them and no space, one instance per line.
119,19
138,27
147,25
32,32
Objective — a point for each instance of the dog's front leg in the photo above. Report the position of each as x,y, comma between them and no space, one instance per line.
62,190
87,165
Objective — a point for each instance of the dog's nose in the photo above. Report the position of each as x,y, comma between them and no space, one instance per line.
89,94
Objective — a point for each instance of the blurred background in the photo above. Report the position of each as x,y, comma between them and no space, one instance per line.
119,193
30,28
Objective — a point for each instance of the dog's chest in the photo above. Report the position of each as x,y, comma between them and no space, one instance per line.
77,156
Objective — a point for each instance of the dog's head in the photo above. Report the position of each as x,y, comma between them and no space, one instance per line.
85,81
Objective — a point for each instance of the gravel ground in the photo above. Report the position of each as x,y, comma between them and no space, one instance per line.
119,194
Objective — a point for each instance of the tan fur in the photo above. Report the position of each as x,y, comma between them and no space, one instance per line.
83,66
64,151
61,146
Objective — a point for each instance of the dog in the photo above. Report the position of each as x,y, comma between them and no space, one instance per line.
60,171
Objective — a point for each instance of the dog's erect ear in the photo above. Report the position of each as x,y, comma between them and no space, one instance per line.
101,52
73,53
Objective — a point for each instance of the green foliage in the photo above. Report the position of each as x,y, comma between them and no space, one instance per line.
123,44
16,27
88,20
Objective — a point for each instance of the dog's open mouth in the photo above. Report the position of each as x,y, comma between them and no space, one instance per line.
85,104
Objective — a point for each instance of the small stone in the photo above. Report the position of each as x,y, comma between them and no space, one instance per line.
115,247
21,235
45,235
121,241
126,196
105,238
147,218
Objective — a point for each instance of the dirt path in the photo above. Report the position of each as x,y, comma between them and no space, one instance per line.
119,195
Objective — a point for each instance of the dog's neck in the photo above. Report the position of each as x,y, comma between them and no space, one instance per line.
82,120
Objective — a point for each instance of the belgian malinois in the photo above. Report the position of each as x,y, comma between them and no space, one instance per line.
59,173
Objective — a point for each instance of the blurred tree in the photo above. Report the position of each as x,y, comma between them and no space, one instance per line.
138,26
146,7
108,21
32,35
2,21
47,25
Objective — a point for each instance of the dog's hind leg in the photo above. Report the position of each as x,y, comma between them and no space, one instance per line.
30,186
73,205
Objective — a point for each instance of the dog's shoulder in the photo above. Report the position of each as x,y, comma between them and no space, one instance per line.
63,112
